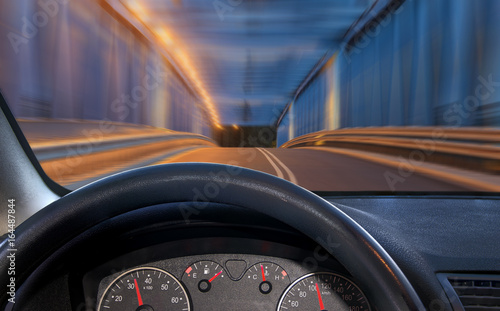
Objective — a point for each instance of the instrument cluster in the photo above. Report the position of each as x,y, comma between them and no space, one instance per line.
229,282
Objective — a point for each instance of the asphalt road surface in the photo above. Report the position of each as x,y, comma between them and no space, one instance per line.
318,170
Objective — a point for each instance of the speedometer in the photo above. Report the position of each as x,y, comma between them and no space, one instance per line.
145,289
323,291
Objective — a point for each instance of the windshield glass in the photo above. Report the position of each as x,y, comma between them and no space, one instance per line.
339,95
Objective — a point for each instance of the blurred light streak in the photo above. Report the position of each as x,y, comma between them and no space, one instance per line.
137,8
165,37
332,113
177,2
174,46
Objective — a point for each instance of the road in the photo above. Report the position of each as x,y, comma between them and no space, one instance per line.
319,170
74,153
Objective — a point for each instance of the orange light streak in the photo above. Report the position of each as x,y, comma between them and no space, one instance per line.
172,45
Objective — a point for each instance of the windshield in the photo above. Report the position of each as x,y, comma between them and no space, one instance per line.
339,95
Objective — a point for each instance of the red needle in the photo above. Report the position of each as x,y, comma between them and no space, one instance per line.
213,278
321,305
139,298
263,274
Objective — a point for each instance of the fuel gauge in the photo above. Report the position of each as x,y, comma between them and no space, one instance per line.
208,285
202,274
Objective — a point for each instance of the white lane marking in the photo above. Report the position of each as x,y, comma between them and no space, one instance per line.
292,177
276,168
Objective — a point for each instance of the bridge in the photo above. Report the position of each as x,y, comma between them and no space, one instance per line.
351,95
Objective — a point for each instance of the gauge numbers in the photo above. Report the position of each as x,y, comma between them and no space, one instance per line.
145,289
323,291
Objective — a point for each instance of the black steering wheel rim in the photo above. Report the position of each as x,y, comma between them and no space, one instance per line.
318,219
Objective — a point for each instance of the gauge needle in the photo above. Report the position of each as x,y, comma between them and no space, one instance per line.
263,274
139,298
213,278
321,305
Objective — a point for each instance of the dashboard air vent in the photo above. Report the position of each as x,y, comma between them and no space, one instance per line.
477,292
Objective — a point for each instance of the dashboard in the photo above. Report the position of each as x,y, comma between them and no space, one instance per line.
228,281
413,230
208,265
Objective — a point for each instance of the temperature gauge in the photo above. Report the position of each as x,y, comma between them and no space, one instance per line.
267,276
267,281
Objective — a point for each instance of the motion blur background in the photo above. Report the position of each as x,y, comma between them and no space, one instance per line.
254,73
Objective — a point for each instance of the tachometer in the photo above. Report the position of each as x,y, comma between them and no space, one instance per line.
323,291
145,289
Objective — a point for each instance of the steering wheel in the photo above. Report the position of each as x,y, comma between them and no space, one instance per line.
63,220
